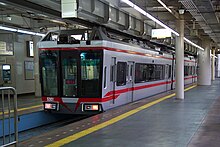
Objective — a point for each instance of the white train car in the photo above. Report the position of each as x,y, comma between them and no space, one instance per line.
84,77
190,70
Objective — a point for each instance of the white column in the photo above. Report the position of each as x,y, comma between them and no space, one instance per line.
213,64
218,69
204,72
179,73
36,67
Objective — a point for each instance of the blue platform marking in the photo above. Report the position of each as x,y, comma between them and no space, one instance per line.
31,120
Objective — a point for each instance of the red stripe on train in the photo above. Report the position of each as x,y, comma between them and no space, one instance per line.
109,96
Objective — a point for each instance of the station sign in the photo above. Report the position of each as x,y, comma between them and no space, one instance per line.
160,33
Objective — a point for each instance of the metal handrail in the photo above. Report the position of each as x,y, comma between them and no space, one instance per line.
9,90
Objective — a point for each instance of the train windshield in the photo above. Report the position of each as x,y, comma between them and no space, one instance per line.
49,73
90,73
71,73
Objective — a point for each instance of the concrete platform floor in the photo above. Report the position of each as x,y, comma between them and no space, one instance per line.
169,123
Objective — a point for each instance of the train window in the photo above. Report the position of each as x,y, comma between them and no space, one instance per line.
90,73
187,70
69,71
158,71
127,71
170,71
141,73
121,73
105,77
131,70
192,70
151,69
49,73
111,72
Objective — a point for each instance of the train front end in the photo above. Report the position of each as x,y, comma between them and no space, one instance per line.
70,78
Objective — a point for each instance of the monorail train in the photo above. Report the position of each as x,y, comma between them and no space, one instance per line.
86,77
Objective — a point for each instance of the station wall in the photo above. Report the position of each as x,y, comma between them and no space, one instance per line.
22,66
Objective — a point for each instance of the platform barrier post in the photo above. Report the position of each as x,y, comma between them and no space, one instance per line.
8,116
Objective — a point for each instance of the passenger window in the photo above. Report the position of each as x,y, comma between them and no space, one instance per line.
170,71
141,73
105,77
121,73
111,72
151,72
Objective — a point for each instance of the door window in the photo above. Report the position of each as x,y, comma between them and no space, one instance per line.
69,71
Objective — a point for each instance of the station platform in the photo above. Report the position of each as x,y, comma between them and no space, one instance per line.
26,103
158,121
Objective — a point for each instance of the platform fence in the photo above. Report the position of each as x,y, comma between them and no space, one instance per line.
8,117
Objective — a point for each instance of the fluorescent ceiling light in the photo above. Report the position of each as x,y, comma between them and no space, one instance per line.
149,16
1,3
8,29
164,5
40,34
26,32
21,31
158,21
190,42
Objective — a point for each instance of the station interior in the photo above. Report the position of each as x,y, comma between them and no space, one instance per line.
143,73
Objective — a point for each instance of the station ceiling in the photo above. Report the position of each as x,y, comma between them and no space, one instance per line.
201,16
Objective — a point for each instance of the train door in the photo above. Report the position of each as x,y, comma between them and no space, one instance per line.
113,78
69,74
130,80
167,76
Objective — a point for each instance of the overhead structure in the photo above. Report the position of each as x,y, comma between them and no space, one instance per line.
102,12
206,15
163,10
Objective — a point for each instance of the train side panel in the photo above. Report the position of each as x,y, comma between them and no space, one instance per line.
127,93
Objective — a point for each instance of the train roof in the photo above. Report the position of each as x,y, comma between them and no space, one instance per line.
101,37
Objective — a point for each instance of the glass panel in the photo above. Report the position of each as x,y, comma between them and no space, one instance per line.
170,71
151,72
121,73
141,72
158,72
69,72
105,77
49,73
90,73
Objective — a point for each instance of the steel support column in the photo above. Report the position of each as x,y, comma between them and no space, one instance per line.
180,60
37,90
204,72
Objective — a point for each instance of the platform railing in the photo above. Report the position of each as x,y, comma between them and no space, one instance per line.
8,117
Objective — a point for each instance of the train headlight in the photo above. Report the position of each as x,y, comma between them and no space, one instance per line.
95,107
51,106
91,107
